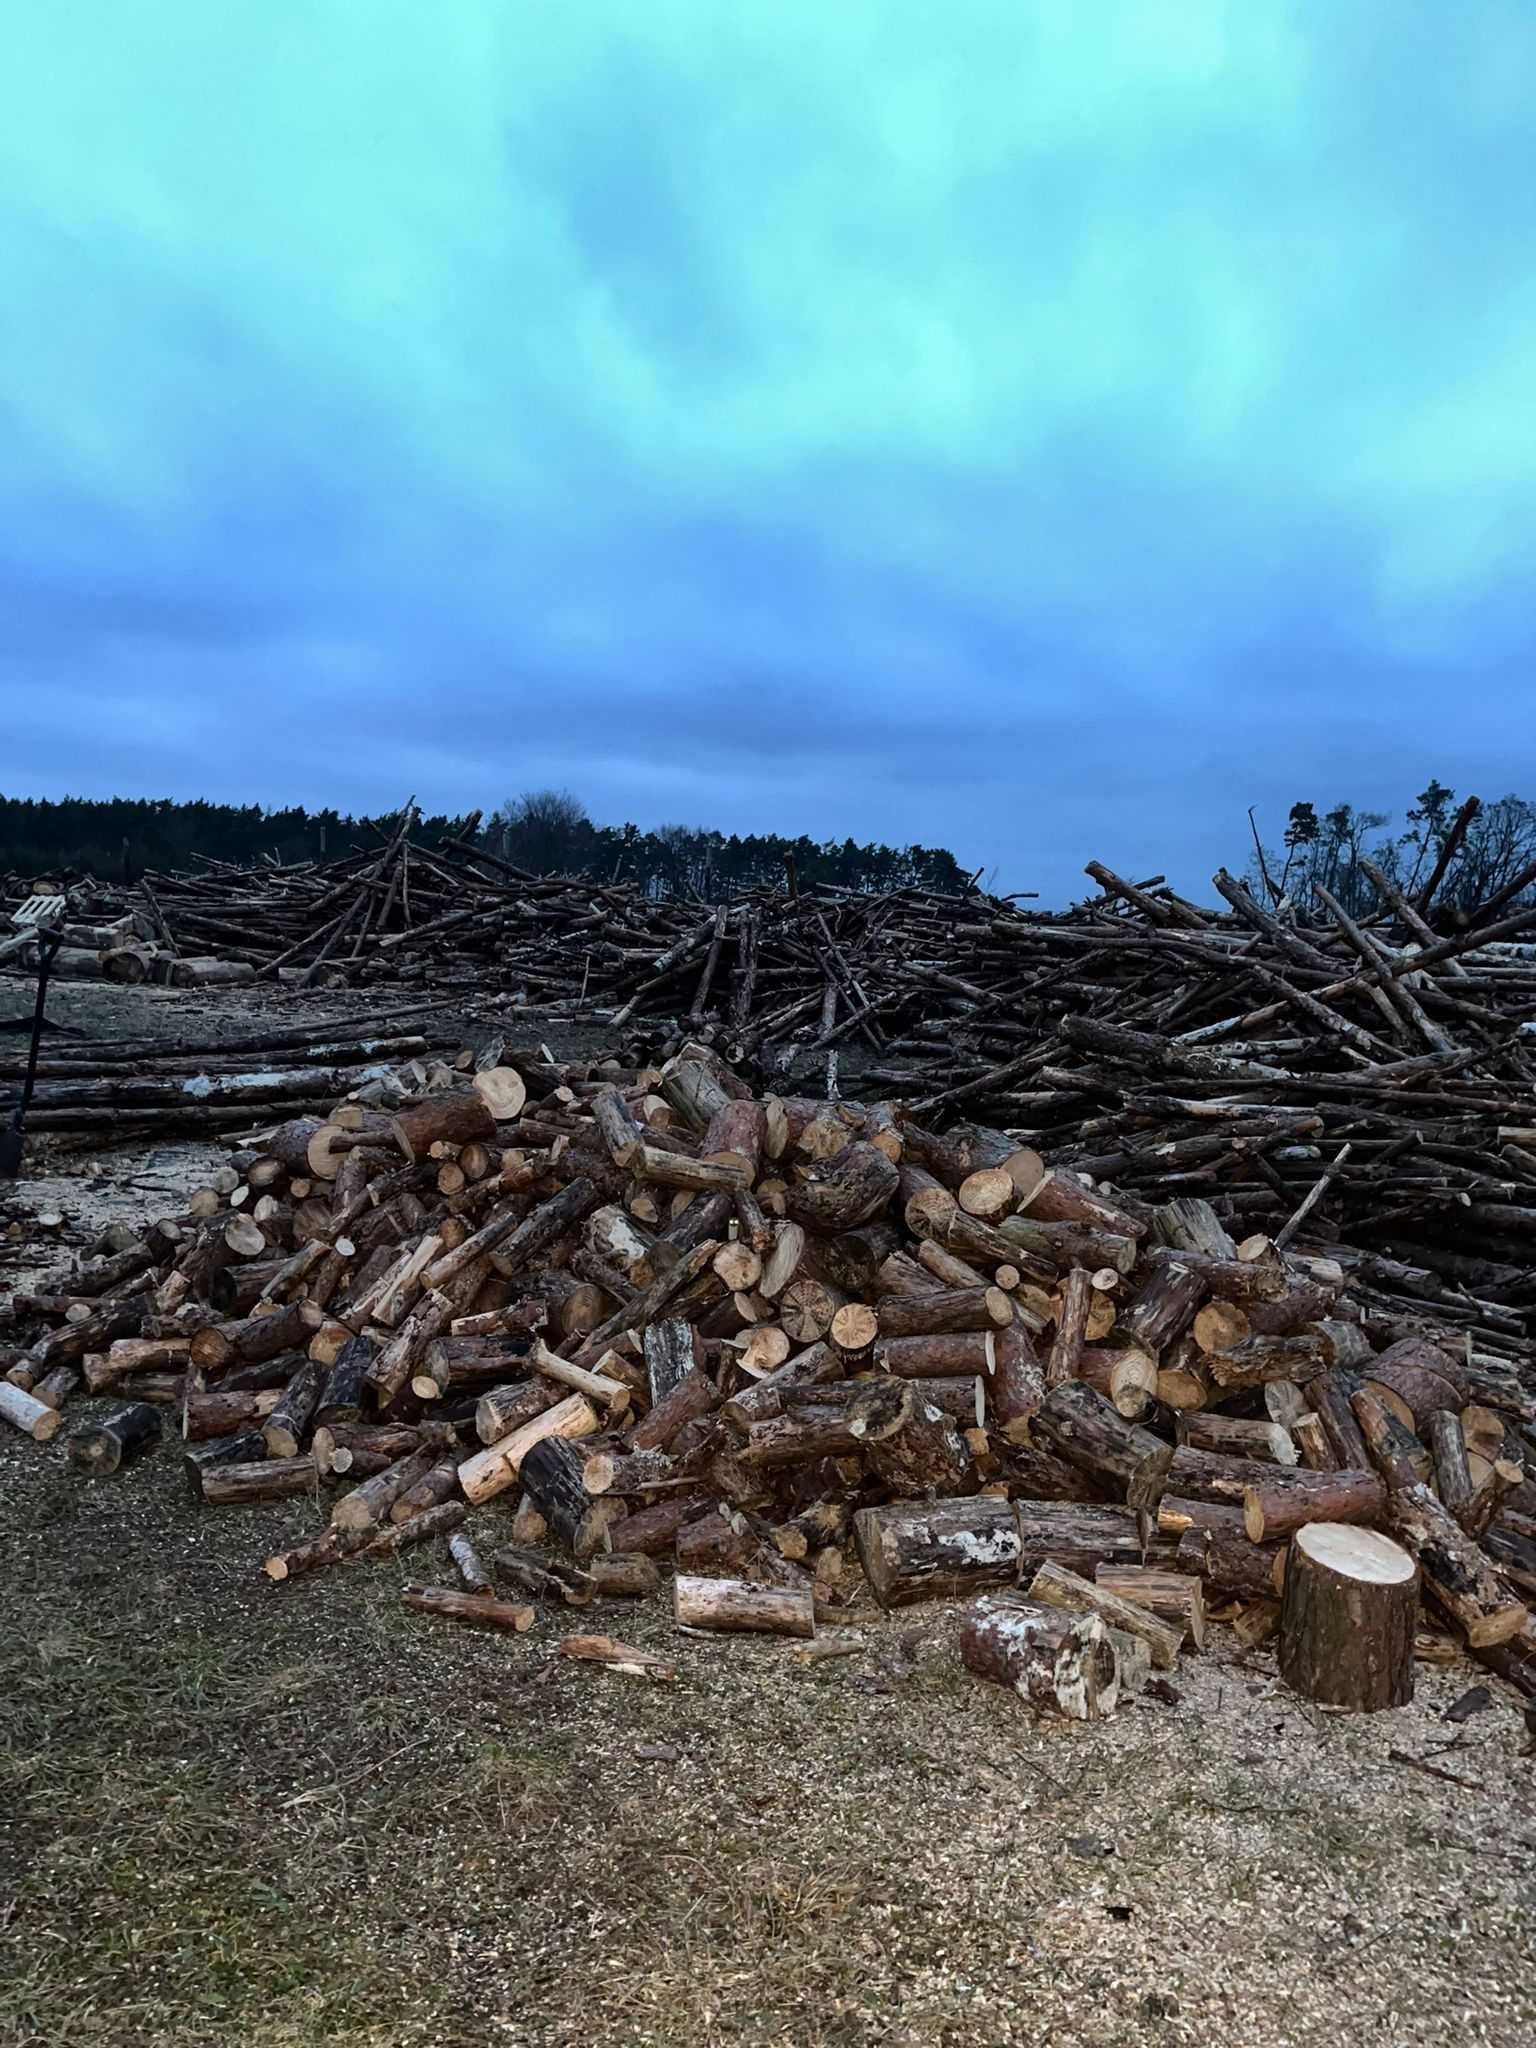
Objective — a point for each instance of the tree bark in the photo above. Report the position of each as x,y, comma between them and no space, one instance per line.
1065,1664
116,1442
736,1604
1349,1618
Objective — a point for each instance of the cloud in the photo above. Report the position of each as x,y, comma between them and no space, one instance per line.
1045,430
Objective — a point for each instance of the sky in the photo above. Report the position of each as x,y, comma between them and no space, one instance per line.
1040,429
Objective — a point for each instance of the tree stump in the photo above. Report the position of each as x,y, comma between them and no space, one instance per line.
1347,1625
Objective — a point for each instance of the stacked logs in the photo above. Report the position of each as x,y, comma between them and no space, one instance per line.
786,1343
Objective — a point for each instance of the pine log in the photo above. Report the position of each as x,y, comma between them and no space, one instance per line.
449,1118
1457,1576
925,1550
1172,1595
1349,1618
1285,1500
474,1610
1065,1664
494,1469
735,1604
1054,1586
552,1475
270,1479
124,1436
840,1194
1082,1427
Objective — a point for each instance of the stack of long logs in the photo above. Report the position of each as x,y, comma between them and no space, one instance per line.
777,1341
1170,1048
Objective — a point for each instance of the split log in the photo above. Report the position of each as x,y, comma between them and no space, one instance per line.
1349,1618
1054,1586
1175,1596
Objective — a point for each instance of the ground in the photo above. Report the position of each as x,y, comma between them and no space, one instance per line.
236,1812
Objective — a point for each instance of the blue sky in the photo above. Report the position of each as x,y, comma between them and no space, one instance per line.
1041,428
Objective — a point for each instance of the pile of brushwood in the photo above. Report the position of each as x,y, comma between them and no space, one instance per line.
581,1319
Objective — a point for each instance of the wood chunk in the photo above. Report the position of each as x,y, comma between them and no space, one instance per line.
1349,1618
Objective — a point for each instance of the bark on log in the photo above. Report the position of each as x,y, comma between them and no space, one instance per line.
736,1604
1349,1618
1082,1427
552,1477
116,1442
1285,1500
25,1412
1068,1666
840,1194
1173,1595
494,1469
1457,1576
473,1610
271,1479
448,1118
926,1550
1054,1586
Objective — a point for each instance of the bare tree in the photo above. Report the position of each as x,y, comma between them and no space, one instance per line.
547,830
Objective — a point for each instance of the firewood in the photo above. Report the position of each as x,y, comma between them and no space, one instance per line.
475,1610
1456,1574
1349,1618
494,1469
1082,1427
1175,1596
734,1604
118,1441
1054,1586
1064,1663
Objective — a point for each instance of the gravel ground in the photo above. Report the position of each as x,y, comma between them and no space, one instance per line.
276,1815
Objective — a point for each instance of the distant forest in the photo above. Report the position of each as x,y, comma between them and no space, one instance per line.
545,831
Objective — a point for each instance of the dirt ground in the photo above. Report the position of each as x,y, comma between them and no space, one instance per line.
234,1812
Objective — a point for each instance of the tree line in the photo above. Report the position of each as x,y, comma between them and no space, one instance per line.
1490,851
549,832
545,831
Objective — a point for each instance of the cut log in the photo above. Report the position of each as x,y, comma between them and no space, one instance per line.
1175,1596
288,1424
473,1610
1277,1503
1054,1586
1349,1618
1457,1576
736,1604
494,1469
25,1412
271,1479
1082,1427
552,1474
119,1440
1065,1664
448,1118
944,1310
926,1550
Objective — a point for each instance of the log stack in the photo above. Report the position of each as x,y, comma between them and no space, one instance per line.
791,1344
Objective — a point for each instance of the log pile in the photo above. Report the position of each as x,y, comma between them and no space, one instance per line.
579,1318
1377,1064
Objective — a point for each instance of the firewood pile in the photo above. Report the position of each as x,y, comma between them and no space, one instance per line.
586,1321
